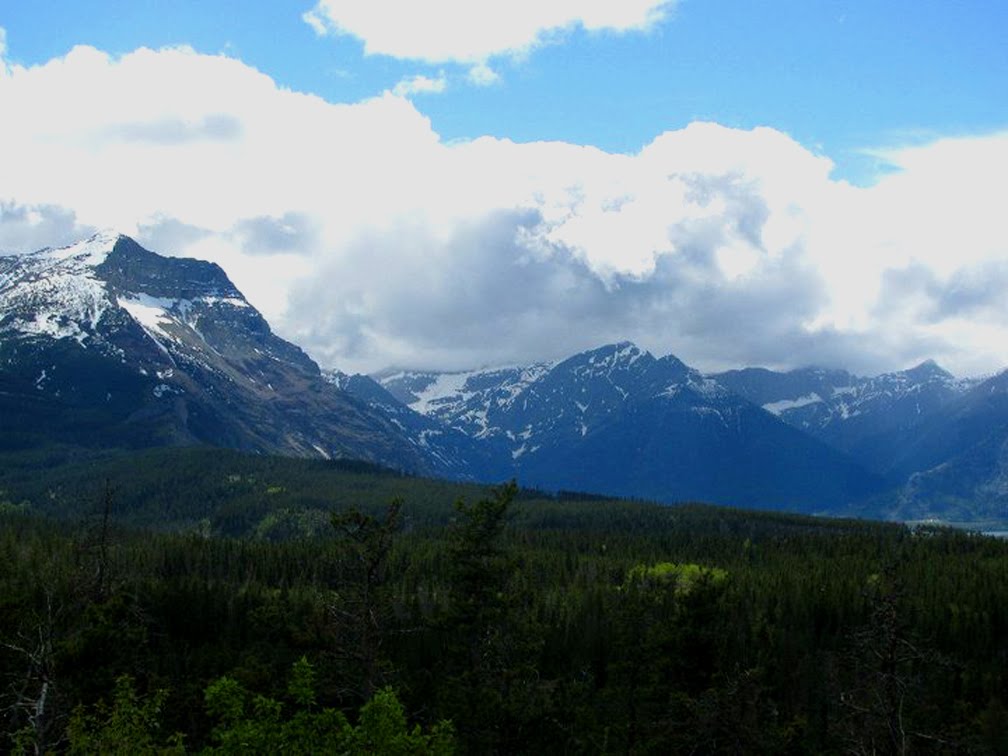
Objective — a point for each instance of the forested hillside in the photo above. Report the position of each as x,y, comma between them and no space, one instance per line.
314,606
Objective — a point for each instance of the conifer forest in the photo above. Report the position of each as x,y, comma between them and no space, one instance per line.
198,601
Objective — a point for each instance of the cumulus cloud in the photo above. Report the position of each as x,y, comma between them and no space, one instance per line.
366,238
420,84
471,31
494,292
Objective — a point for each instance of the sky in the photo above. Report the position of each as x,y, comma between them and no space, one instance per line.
462,183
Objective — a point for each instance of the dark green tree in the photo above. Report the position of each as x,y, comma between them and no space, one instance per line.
490,676
361,607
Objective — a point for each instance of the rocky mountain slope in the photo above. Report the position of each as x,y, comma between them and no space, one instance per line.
106,343
872,419
956,462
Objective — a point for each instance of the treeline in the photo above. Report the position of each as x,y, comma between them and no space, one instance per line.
506,623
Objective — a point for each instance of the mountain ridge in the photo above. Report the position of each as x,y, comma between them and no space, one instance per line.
617,419
135,348
106,343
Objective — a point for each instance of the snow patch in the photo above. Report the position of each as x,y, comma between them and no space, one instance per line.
150,312
233,301
54,292
90,252
443,386
161,389
705,387
779,407
629,354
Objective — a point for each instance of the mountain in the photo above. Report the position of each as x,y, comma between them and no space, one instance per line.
618,420
104,343
957,461
872,419
453,450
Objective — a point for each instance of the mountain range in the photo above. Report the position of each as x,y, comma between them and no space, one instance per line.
106,344
618,420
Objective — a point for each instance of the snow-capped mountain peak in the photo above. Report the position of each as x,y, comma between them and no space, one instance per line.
82,291
857,415
90,252
529,408
168,350
56,292
617,418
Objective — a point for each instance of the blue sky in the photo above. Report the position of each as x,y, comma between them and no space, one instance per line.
838,76
776,182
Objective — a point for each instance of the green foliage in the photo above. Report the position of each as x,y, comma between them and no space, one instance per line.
383,729
361,610
256,724
682,578
301,687
129,724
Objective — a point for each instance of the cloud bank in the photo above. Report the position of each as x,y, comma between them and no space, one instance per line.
368,239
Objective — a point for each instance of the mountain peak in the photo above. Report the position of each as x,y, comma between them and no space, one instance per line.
622,352
929,369
128,267
90,252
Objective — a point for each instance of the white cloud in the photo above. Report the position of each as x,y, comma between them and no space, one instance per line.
482,75
420,85
470,31
316,20
358,231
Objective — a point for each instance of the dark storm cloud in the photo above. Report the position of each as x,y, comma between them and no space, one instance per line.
484,297
26,228
970,291
479,298
975,288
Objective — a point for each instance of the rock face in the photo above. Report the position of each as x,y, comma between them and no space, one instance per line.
105,343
